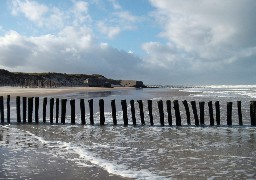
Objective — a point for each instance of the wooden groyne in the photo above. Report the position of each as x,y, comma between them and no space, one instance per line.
30,107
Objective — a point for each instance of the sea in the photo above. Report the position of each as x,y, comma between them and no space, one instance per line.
36,151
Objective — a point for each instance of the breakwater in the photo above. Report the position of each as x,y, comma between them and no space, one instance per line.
30,111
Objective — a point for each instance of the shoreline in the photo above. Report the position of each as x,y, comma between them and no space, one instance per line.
32,92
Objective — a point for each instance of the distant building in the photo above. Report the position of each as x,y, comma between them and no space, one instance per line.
132,83
97,82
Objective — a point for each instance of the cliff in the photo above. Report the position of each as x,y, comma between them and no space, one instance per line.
53,79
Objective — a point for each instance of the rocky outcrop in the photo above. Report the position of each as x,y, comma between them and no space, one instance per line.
54,79
47,79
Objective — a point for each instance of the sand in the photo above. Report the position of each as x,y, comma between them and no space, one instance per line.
32,92
20,159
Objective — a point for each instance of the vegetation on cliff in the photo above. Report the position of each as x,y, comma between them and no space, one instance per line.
49,79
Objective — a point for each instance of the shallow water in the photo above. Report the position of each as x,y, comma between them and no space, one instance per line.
141,152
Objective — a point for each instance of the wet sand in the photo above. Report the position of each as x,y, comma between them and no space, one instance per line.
32,92
21,159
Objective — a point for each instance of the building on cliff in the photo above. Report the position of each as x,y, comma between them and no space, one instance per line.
102,82
97,82
132,83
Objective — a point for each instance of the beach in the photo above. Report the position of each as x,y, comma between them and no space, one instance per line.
57,151
33,92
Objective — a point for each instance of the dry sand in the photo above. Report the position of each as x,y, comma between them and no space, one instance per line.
32,92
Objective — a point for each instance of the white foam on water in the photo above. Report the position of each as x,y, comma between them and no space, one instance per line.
86,157
223,91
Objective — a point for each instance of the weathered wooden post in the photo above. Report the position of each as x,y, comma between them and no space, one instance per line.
18,109
229,113
82,109
253,113
8,109
101,107
51,110
211,113
124,109
2,108
90,101
150,112
239,110
30,109
169,111
193,104
24,109
185,103
44,109
201,106
217,107
57,110
73,113
63,110
141,112
177,112
133,112
36,109
113,107
161,112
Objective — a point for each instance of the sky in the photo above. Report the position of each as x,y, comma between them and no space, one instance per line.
165,42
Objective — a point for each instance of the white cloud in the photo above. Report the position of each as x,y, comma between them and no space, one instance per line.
203,37
31,9
109,31
52,17
80,11
71,50
212,30
115,4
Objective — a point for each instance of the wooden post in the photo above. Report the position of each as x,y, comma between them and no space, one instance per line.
133,112
30,109
8,109
82,109
185,103
169,111
24,109
161,112
253,113
124,108
63,110
113,106
57,110
141,112
44,109
2,108
90,101
193,104
177,112
36,109
18,109
201,106
101,107
211,113
239,113
51,110
217,107
73,113
150,112
229,113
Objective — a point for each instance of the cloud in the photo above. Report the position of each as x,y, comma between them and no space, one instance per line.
204,36
115,4
31,9
51,17
109,31
80,12
71,50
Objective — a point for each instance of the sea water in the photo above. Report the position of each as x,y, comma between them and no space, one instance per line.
141,152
